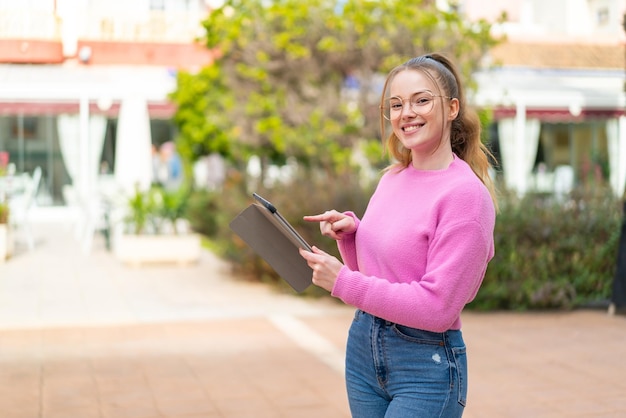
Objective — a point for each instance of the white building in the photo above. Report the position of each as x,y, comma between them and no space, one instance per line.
71,70
558,91
85,87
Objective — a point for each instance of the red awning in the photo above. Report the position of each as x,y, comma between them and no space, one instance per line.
559,115
155,110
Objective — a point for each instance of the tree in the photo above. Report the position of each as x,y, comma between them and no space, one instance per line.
202,101
302,79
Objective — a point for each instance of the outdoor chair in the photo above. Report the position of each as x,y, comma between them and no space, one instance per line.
20,208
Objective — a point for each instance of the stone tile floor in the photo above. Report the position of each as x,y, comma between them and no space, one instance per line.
84,336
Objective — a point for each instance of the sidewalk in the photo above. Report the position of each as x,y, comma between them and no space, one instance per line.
85,336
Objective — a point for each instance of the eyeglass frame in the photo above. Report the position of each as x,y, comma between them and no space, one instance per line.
382,107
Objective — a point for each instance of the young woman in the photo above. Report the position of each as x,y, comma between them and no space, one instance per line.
420,252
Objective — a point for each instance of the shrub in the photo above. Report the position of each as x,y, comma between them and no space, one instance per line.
549,253
155,211
552,254
202,212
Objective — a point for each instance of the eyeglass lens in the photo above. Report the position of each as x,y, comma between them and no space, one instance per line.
421,103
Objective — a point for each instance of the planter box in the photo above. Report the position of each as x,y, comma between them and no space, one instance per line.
142,249
6,242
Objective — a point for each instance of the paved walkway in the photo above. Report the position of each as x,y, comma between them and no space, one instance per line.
84,336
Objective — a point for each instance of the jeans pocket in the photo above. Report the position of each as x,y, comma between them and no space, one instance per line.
418,335
357,315
460,360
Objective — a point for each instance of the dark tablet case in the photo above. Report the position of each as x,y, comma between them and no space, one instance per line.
276,244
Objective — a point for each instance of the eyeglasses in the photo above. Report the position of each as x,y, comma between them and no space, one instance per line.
421,103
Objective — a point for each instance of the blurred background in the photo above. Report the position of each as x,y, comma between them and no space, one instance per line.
162,116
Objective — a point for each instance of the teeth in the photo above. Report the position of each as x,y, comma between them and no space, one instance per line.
411,128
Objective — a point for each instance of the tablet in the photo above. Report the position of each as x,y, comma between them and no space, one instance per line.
275,240
288,228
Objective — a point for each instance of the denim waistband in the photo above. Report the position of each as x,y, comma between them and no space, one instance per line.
449,335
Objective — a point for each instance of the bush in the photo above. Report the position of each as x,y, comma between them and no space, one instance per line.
552,254
549,253
202,212
155,211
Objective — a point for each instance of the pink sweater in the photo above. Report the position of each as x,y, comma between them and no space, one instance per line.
420,252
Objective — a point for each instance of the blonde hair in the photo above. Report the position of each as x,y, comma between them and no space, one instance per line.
464,129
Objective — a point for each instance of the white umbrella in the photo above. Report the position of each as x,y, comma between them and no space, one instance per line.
133,149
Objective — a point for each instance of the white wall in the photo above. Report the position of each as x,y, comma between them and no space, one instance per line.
584,20
38,5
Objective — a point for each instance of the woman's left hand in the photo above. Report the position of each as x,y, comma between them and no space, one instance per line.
325,267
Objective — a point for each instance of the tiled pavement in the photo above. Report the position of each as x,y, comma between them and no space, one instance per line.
84,336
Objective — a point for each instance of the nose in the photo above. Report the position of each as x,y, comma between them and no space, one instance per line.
407,109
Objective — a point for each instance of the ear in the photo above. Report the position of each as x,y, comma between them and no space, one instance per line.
453,109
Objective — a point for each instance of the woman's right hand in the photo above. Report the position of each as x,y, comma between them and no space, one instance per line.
333,224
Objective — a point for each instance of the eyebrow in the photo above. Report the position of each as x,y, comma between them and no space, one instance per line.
412,94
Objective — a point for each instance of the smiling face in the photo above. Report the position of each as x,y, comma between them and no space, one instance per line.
422,127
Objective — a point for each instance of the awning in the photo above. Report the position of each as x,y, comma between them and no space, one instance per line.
156,110
22,83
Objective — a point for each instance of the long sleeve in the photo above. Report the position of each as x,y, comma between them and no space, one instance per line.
421,250
347,246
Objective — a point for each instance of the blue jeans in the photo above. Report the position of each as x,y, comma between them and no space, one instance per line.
394,371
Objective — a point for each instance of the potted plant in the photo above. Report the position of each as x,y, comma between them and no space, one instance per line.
155,230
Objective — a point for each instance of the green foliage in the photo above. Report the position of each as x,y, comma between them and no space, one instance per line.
4,212
155,210
486,117
140,208
203,212
171,205
552,254
549,254
202,100
276,89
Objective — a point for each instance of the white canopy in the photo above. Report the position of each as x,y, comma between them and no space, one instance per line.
133,161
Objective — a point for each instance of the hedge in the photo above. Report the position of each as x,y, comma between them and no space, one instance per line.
550,253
